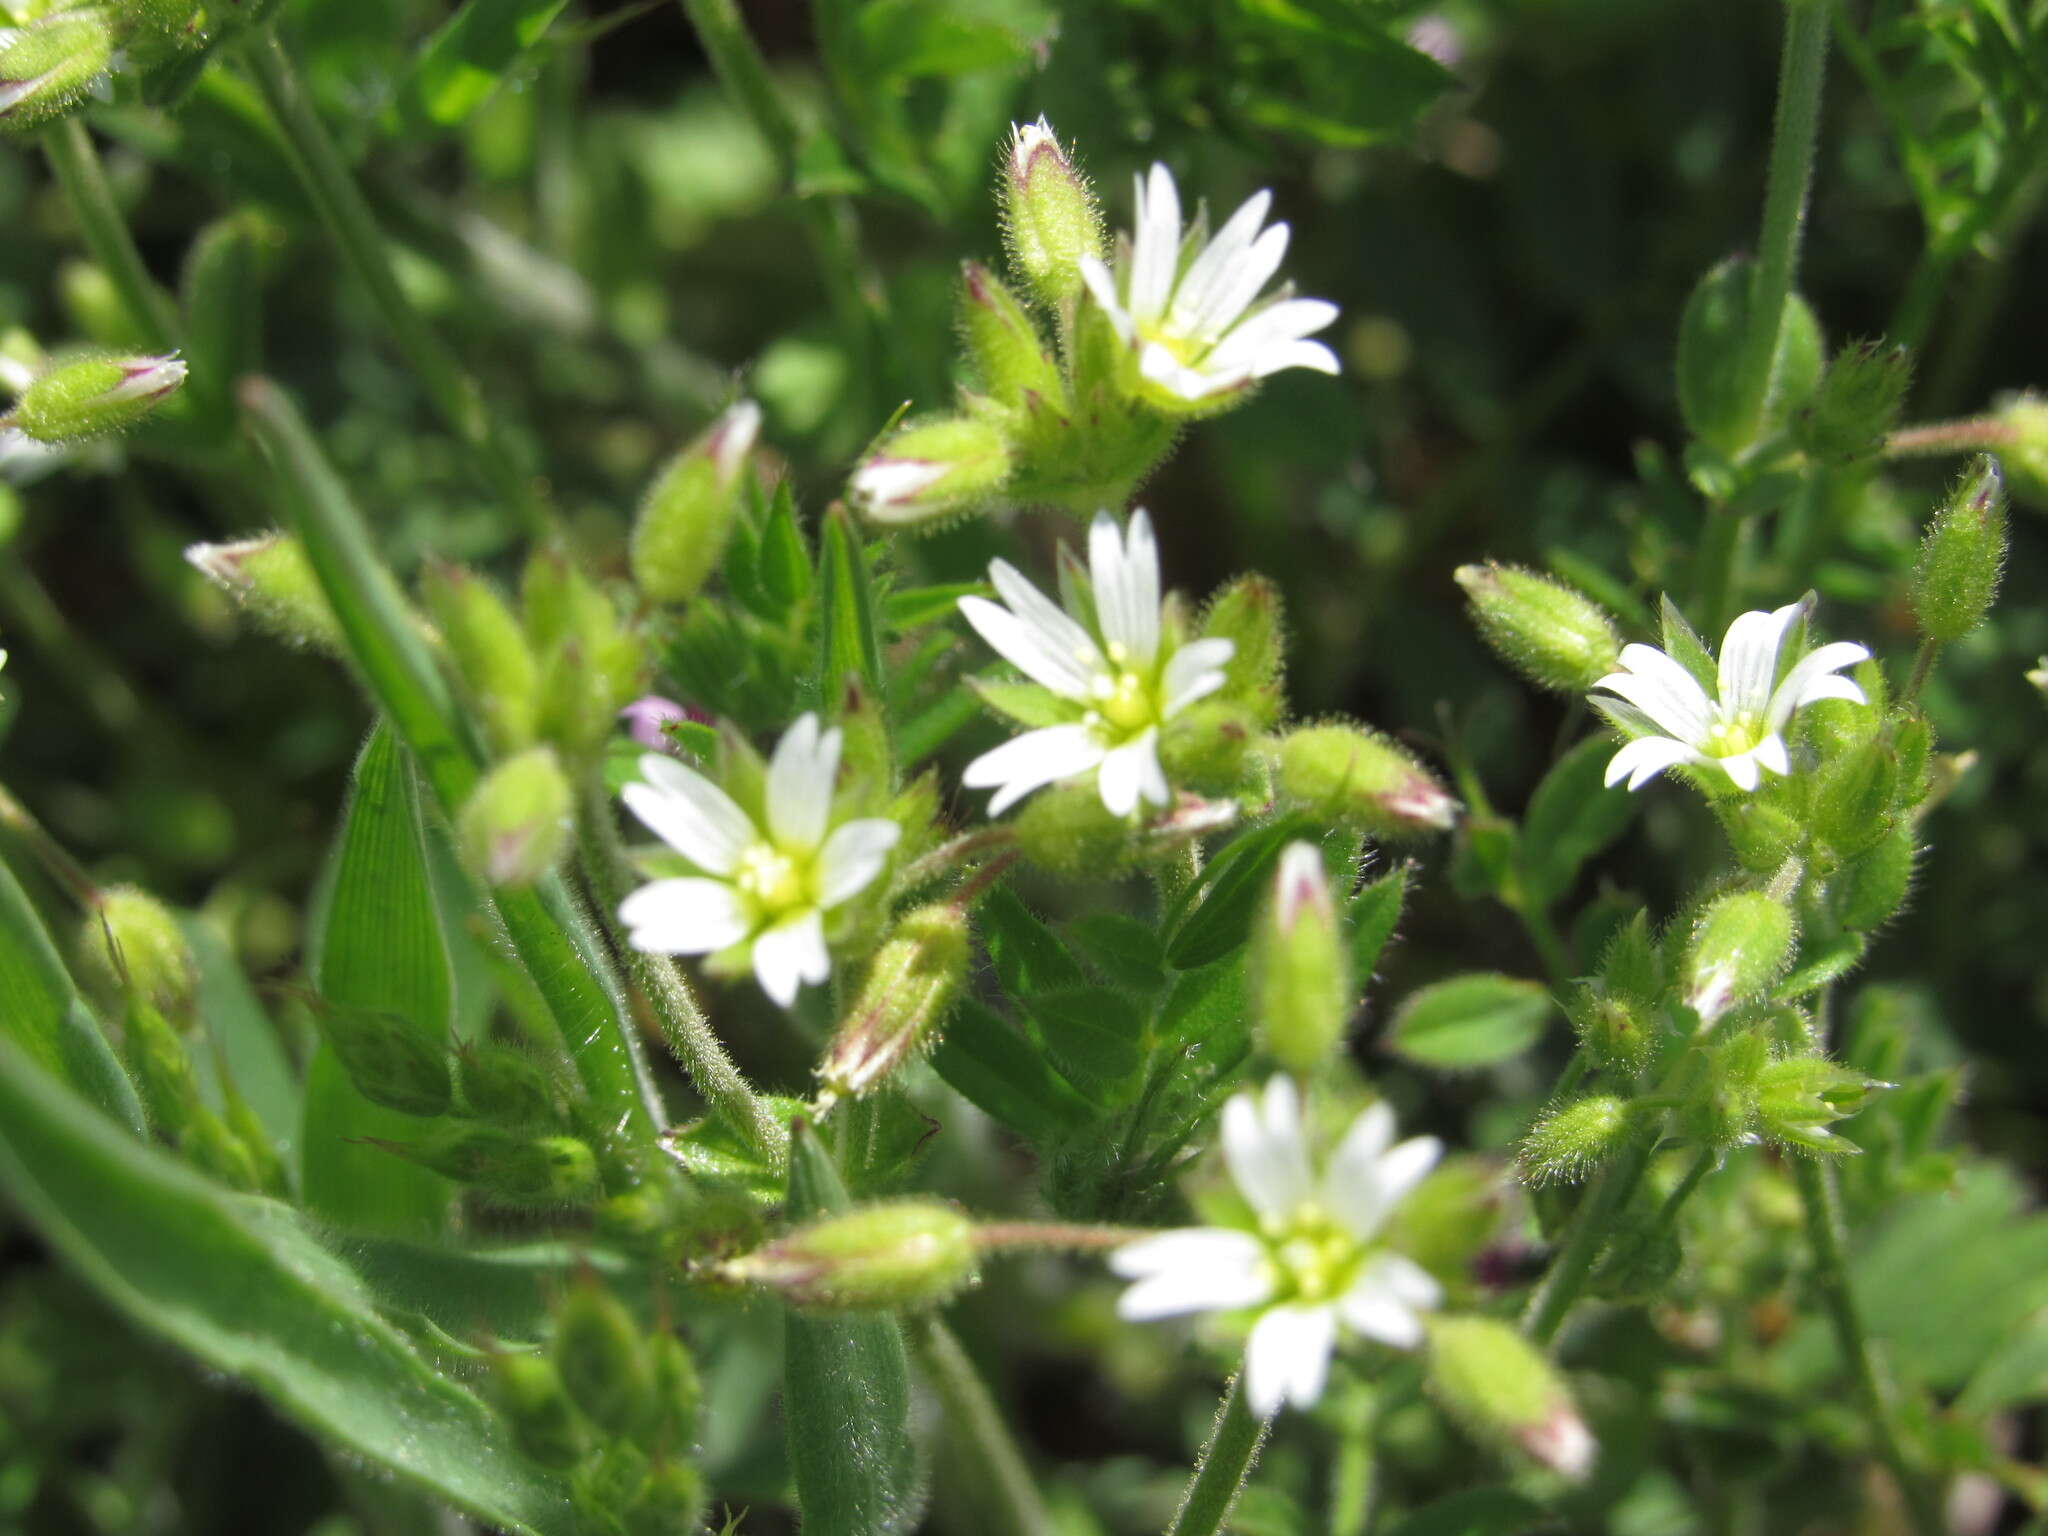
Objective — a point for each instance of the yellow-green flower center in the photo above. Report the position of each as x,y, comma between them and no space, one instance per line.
772,883
1185,350
1315,1258
1732,735
1125,702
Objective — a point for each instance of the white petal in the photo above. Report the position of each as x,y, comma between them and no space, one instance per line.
1815,671
1364,1203
1663,690
1402,1278
1312,355
1770,753
1183,382
1274,326
893,482
1194,672
1378,1313
1242,282
1155,245
1264,1151
1031,650
1106,569
800,778
1741,769
683,917
691,814
1184,1248
852,856
1832,686
790,954
1359,1153
1287,1357
1194,310
1102,286
1749,658
1062,632
1131,773
1644,758
1141,589
1199,1270
1032,761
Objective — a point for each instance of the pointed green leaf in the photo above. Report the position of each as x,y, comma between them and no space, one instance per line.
1002,1072
1029,957
1572,817
1372,914
1095,1037
847,618
1478,1020
1215,915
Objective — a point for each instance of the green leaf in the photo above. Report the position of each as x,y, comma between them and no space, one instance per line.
42,1013
1215,914
1572,816
241,1283
1207,1006
998,1068
846,1392
241,1029
1478,1020
1094,1035
377,945
847,620
1125,951
784,565
915,607
469,56
1372,914
1029,957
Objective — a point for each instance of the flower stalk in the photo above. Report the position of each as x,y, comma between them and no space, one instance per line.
68,147
1225,1466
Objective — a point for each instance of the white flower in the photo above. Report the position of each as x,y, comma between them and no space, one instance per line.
1312,1267
770,884
1200,330
1121,682
1671,721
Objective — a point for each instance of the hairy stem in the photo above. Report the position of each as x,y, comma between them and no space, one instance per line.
1591,1226
1225,1465
1051,1237
76,165
1714,585
1007,1503
1923,667
1972,434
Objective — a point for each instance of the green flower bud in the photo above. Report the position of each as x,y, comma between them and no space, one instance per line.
672,1504
1066,830
1003,344
47,67
1208,746
386,1058
910,987
609,1485
1710,345
1740,945
91,396
2025,457
162,1070
271,581
678,1391
491,657
1962,555
1570,1140
1362,781
1857,403
504,1085
604,1364
901,1253
1249,615
133,944
1506,1394
1761,834
1302,987
152,30
1050,218
536,1172
1870,889
528,1391
516,821
1540,627
591,665
687,517
1853,797
931,471
1798,1097
1618,1031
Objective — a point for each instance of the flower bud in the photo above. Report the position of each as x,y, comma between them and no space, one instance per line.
270,580
488,649
1798,1097
1962,555
1505,1393
1619,1032
901,1253
386,1058
536,1172
157,1059
1761,834
154,29
1248,614
1711,337
1542,628
47,67
605,1368
1302,991
528,1391
2025,457
688,514
607,1486
1050,220
502,1084
1207,746
1362,781
591,663
1871,888
910,986
1066,830
672,1504
1853,797
1740,945
133,943
92,396
1570,1140
515,823
1857,403
1008,353
935,469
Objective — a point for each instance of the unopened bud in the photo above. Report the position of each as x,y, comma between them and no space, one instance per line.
1740,945
609,1485
1249,615
1550,634
133,943
515,823
1571,1140
272,582
1302,993
97,309
538,1172
502,1084
1857,403
1066,830
910,986
903,1253
604,1367
92,396
1008,353
1711,340
1962,555
1616,1030
528,1391
1799,1097
1362,781
492,661
931,470
1853,797
154,29
1050,218
157,1059
672,1503
386,1058
47,67
1871,888
2025,454
1207,746
684,523
1506,1394
591,663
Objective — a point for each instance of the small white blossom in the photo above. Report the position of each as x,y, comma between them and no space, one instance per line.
1121,682
1200,330
1312,1267
769,884
1671,721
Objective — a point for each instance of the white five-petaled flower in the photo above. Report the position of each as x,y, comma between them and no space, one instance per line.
1122,682
1671,720
1313,1265
770,882
1201,330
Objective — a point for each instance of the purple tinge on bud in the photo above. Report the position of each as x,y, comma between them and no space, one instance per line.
894,484
731,439
1028,143
646,717
1425,803
1561,1442
1300,886
147,378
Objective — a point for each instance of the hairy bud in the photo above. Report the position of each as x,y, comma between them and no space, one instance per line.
133,943
528,1391
47,67
1542,628
2025,457
502,1084
492,661
1050,218
1506,1394
604,1365
515,823
538,1172
93,396
387,1059
1799,1097
272,582
1571,1140
1249,615
1871,888
1740,945
910,986
1710,344
1207,746
1362,781
1302,991
902,1253
1066,830
678,1390
1857,403
684,523
1008,353
931,470
1962,555
162,1070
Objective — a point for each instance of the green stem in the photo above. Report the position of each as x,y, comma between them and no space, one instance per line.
1923,666
1826,1233
1549,943
1667,1213
1005,1497
684,1027
1225,1465
76,165
1715,583
1591,1226
1791,173
354,230
1974,434
1052,1237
